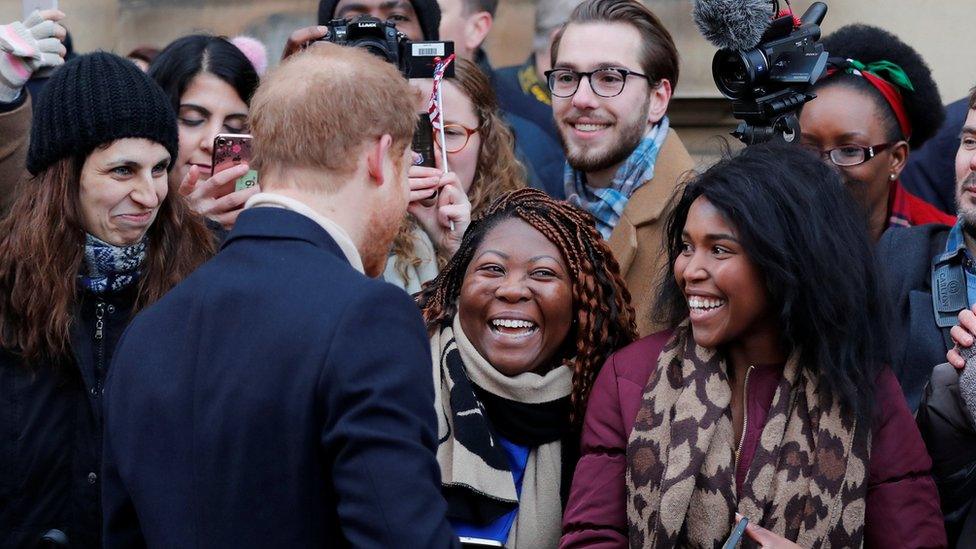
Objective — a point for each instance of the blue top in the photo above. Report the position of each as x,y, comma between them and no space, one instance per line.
518,457
956,244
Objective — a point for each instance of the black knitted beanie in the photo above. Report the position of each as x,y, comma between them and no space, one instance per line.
95,99
428,12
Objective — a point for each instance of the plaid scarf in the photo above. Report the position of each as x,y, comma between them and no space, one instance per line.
807,481
607,205
908,210
108,268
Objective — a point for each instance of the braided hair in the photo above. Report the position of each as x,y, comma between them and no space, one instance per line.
604,318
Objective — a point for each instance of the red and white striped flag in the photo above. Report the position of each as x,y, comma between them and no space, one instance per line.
434,105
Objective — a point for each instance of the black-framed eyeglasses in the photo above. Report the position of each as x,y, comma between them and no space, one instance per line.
607,82
847,156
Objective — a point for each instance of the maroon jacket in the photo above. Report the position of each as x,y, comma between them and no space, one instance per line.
902,502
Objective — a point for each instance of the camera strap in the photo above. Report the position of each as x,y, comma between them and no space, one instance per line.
949,292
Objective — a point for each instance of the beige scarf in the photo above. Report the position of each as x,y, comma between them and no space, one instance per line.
472,461
806,483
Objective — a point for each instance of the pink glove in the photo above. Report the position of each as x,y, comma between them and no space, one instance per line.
26,47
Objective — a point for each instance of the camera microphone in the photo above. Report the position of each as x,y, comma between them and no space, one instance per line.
733,24
767,63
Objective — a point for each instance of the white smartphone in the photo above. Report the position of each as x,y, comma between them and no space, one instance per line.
41,5
480,543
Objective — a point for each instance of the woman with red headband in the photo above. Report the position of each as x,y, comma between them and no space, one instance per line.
876,103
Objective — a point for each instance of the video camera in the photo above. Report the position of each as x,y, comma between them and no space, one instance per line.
769,83
381,38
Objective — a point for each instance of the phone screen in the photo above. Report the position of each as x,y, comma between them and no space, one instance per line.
423,140
479,543
41,5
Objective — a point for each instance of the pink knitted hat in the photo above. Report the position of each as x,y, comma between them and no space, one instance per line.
254,50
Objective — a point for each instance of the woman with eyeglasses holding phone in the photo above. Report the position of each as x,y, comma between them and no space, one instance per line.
877,102
482,163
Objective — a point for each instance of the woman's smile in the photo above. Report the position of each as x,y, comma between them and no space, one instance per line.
516,301
725,293
513,326
703,308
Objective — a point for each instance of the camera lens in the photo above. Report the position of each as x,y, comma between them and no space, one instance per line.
736,73
375,47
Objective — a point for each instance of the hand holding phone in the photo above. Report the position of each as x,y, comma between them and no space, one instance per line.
737,533
759,535
423,147
232,149
208,197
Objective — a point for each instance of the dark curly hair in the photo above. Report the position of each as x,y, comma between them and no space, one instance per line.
868,44
800,228
184,58
601,303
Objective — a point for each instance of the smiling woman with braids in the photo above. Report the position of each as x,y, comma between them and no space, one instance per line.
520,319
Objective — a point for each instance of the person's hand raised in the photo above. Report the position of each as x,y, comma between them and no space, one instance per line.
963,335
28,46
301,38
436,215
211,198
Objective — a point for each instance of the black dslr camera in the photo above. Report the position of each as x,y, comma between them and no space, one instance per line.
381,38
770,82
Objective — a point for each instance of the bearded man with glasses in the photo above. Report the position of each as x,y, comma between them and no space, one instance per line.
615,68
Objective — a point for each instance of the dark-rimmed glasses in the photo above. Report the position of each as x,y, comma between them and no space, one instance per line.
456,137
847,156
604,82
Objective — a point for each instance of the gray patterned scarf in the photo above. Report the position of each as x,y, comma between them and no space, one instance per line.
109,268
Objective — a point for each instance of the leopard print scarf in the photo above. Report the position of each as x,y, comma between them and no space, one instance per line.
807,481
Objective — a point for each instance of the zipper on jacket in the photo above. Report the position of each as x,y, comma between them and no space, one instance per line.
99,343
745,419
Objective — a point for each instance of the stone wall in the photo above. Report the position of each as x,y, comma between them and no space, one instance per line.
937,28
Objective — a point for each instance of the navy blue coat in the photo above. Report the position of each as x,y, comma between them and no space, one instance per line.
539,152
516,98
917,345
275,398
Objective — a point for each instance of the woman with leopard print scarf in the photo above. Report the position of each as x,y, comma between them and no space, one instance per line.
766,398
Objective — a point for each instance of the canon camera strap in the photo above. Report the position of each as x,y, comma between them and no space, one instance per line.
949,294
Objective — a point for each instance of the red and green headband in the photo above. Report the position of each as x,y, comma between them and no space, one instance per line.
886,77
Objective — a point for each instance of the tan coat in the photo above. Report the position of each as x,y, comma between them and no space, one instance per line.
15,129
638,239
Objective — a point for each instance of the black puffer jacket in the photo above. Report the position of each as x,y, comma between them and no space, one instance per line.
51,434
951,440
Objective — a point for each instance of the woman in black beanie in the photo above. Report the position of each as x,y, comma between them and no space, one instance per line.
96,234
